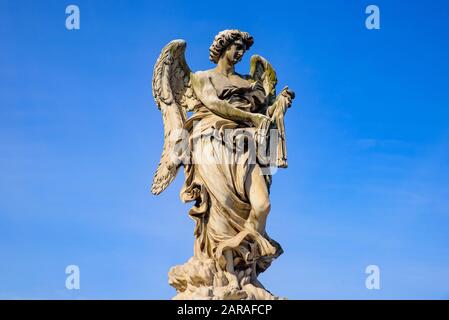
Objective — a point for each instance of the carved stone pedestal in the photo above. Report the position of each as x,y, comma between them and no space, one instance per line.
200,280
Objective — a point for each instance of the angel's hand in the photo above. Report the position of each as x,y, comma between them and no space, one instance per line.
257,119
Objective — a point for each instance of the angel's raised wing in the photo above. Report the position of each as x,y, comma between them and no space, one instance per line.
262,70
174,97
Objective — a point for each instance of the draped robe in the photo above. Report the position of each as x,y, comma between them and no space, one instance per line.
215,179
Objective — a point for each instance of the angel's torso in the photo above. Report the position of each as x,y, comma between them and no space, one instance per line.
237,90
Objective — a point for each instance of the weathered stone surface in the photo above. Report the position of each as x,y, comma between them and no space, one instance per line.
228,147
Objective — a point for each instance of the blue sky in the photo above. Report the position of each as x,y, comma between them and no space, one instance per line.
368,146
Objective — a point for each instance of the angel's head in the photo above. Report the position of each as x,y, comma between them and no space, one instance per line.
230,45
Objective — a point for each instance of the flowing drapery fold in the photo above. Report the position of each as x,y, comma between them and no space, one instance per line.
215,180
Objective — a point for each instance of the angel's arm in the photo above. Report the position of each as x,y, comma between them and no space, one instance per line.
205,91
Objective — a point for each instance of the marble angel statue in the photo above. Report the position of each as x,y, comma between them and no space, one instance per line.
231,198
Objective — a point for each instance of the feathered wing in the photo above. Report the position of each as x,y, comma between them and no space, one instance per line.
174,97
263,71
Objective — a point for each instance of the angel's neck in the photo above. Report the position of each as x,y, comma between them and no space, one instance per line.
225,67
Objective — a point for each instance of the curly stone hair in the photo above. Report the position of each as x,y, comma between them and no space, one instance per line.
225,38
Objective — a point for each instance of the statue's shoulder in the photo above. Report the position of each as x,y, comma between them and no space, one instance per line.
203,74
200,78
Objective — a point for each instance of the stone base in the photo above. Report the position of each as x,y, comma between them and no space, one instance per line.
200,280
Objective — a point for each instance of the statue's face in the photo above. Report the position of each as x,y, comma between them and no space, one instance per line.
235,52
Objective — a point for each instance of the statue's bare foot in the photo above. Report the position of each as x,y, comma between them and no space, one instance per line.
233,282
